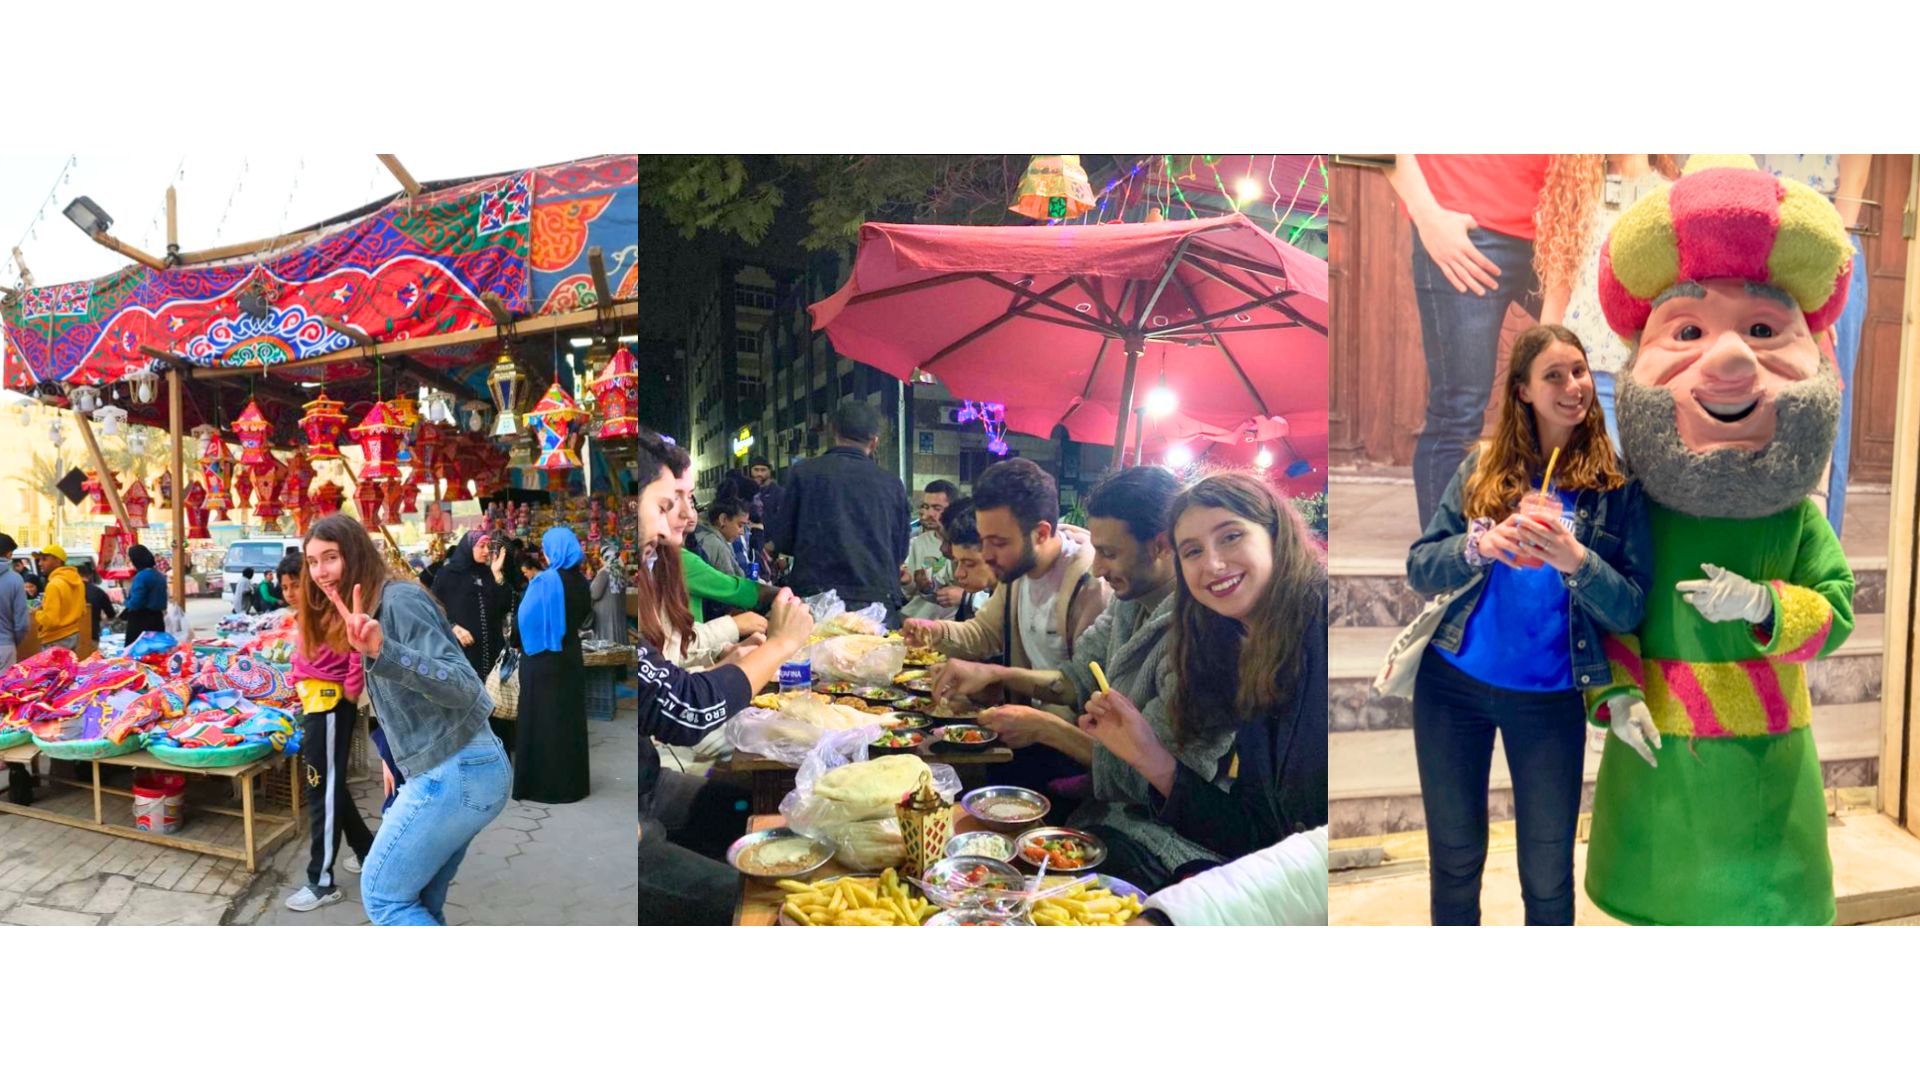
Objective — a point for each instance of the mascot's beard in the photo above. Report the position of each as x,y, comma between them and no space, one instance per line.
1731,483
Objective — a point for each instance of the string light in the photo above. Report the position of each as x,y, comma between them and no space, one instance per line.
993,418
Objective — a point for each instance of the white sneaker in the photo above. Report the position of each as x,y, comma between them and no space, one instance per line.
305,900
350,862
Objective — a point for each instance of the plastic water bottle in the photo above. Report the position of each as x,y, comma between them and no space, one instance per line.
796,677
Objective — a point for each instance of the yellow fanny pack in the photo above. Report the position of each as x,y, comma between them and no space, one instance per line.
320,695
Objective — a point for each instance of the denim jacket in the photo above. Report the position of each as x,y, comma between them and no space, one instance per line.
428,698
1608,591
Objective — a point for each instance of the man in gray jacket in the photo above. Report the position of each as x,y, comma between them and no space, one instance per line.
1132,642
13,605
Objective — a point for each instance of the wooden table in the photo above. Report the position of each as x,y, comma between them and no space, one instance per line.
278,827
760,898
770,780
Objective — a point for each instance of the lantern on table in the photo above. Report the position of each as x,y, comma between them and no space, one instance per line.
136,500
325,499
1054,187
618,389
323,422
502,382
926,824
197,512
379,437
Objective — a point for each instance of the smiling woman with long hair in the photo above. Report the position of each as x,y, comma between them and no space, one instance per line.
1538,585
1250,654
432,706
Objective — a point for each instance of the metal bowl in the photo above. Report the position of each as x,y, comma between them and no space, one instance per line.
991,845
951,746
882,694
910,721
1096,851
877,749
737,852
973,800
996,891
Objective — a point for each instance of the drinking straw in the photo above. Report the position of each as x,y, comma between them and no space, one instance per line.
1547,480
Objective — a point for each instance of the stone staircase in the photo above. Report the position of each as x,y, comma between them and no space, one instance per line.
1374,783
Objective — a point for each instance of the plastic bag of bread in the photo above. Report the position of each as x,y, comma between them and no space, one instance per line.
773,734
836,784
868,845
867,659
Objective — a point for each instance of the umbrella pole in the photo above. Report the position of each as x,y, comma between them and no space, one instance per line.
1139,436
1135,346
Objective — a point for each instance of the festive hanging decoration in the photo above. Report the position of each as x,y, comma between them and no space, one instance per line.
325,499
552,422
993,418
367,496
111,555
323,422
618,390
136,500
242,489
84,400
379,436
164,485
197,512
144,383
266,500
215,467
502,382
405,412
253,430
109,417
427,444
296,474
97,494
137,440
410,492
1054,187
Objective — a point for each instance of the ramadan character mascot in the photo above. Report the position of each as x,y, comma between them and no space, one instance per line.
1710,806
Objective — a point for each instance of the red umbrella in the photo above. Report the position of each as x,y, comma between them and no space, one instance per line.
1061,322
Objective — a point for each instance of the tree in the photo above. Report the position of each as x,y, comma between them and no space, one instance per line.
741,195
43,478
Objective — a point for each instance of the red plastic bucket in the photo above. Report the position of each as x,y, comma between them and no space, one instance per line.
158,798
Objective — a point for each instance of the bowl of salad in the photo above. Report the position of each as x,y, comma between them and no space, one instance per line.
974,882
966,738
1063,849
897,741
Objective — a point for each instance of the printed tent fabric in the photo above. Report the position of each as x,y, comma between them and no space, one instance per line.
411,268
1033,316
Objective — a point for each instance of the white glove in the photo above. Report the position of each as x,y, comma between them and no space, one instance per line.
1723,596
1633,724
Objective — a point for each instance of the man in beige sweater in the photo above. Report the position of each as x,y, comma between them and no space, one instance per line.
1048,593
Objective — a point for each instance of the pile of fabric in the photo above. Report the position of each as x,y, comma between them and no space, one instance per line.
83,701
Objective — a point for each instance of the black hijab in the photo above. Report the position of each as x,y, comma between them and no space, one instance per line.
140,557
475,601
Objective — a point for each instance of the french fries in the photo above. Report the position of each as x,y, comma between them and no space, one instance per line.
854,901
1083,906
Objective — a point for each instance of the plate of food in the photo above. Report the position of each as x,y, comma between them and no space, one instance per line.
914,703
778,853
965,738
854,900
908,676
897,741
835,688
924,658
976,918
971,881
955,710
1063,849
863,705
987,845
879,693
1005,805
921,684
1105,901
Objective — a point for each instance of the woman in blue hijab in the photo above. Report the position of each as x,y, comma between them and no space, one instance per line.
550,754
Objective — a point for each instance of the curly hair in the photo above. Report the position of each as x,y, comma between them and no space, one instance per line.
1511,458
1563,219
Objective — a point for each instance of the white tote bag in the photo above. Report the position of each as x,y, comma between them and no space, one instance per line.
1403,659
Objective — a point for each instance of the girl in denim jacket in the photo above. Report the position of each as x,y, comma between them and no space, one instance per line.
1539,588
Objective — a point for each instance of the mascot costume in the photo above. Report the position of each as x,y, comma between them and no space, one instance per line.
1710,806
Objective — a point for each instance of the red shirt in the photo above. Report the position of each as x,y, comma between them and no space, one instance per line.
1499,190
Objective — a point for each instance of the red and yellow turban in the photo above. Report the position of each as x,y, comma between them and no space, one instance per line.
1726,219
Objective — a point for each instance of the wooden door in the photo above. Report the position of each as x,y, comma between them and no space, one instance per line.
1876,378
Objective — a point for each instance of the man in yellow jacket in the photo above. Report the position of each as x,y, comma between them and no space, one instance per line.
63,607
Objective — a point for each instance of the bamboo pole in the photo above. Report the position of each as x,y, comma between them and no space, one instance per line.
20,263
173,225
400,173
131,252
107,483
178,501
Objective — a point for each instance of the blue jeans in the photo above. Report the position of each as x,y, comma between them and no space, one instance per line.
1454,719
1460,333
1846,348
425,834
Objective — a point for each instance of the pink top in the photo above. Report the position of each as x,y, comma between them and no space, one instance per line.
331,666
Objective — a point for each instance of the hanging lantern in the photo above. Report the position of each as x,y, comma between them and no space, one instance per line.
552,422
266,501
242,489
618,388
109,417
144,383
24,413
215,470
164,485
379,438
97,493
476,417
502,382
197,512
136,500
56,432
367,497
405,412
137,440
426,445
392,494
253,430
84,400
1054,187
410,492
323,421
325,499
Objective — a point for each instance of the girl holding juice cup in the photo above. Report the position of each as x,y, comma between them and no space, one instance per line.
1543,543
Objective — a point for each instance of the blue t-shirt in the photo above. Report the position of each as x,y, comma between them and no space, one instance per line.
1516,638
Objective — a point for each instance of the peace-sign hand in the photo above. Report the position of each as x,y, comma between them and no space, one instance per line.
363,630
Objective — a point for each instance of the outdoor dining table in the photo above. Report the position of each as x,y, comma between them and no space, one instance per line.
760,898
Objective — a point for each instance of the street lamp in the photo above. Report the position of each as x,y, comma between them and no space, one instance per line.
86,214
